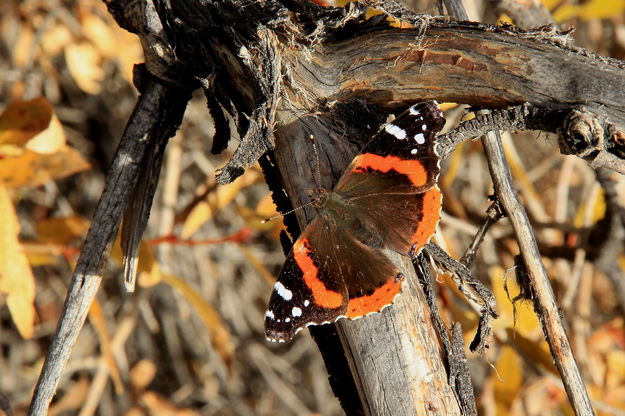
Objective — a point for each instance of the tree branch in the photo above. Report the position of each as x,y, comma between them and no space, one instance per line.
156,116
544,301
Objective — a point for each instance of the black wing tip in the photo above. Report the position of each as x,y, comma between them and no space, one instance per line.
278,336
425,110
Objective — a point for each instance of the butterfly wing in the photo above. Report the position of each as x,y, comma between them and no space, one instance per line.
328,275
391,184
392,201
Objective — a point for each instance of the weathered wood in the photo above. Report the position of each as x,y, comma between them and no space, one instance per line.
155,118
269,63
458,62
394,356
542,294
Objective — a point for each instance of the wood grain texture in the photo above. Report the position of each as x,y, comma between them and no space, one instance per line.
155,118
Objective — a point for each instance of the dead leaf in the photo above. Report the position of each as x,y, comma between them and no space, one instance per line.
161,406
72,399
98,321
34,169
16,277
220,197
62,230
30,125
220,335
142,374
84,63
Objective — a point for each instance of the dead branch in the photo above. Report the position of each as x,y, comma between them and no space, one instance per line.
544,301
282,70
155,118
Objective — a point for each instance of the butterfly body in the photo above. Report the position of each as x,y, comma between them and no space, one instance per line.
386,199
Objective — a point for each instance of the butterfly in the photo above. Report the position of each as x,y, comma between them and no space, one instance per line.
386,199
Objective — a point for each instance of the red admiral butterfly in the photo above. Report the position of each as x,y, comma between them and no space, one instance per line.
387,198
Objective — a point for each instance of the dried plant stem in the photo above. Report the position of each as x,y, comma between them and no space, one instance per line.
544,300
158,105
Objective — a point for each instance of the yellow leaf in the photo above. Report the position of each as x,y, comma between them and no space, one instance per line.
30,125
23,48
41,254
16,277
98,320
56,39
148,270
593,9
550,4
34,169
510,370
84,63
504,18
100,34
62,230
215,201
537,351
142,374
220,335
519,316
591,210
615,366
265,207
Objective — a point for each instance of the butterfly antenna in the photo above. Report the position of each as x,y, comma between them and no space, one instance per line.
312,140
266,220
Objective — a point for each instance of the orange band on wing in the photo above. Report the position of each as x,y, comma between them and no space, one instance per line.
374,302
431,215
322,296
411,168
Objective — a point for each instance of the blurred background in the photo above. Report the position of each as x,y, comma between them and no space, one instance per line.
190,339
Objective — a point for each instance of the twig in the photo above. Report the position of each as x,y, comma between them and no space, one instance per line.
544,300
472,289
463,387
493,214
574,139
159,104
612,244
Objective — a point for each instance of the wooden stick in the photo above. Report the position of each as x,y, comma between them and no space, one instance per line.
158,105
544,301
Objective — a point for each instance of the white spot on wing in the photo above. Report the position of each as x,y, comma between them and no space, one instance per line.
296,312
420,138
306,302
269,314
284,293
414,151
396,131
414,111
287,320
424,127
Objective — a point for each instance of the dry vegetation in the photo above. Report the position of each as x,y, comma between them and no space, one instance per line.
190,340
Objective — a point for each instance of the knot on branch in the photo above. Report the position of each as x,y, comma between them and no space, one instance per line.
581,134
585,135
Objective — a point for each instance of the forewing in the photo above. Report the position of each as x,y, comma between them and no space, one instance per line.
406,146
391,184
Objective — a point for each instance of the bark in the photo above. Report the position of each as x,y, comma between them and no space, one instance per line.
283,70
